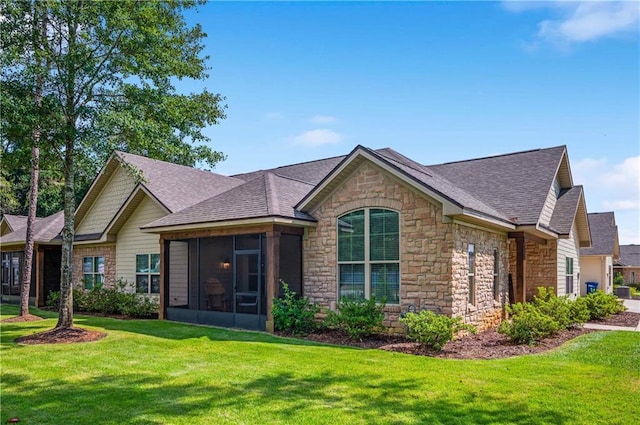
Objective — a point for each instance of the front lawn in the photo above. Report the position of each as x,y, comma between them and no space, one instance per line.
158,372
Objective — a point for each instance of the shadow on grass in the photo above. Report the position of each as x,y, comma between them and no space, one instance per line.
281,398
155,328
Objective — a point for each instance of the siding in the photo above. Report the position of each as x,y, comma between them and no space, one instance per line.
592,271
568,248
178,273
550,203
107,204
132,241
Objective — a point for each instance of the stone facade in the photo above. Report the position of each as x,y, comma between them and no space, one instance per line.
106,251
486,311
541,266
433,263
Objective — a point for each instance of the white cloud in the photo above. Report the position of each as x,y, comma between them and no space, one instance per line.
613,187
579,22
323,119
317,137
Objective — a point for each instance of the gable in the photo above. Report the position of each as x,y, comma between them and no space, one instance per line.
106,203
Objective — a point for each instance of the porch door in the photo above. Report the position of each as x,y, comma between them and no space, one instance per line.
249,290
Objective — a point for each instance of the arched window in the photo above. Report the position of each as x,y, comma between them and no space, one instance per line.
369,255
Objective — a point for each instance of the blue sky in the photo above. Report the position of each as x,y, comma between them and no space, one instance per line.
436,81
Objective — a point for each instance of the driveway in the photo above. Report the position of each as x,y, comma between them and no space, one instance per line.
632,305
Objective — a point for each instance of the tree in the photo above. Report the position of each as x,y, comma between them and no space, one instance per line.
112,67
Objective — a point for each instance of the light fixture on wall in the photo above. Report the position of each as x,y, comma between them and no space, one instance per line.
226,264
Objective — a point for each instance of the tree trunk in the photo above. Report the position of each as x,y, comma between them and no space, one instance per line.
31,219
65,319
40,30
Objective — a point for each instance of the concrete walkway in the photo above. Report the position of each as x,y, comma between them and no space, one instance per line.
633,306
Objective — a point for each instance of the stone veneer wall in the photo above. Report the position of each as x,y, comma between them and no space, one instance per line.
106,251
426,245
541,262
487,311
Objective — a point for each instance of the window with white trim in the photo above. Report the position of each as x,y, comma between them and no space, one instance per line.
148,273
472,273
569,275
93,272
369,255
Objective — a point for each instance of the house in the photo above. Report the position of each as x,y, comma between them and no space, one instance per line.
629,264
596,263
448,237
461,238
45,276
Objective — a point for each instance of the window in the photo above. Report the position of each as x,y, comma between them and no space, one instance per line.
569,275
148,273
369,255
633,277
93,272
11,272
496,268
472,269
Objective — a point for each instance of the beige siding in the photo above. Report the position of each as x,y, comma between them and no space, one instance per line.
596,268
550,203
107,204
568,248
178,273
132,241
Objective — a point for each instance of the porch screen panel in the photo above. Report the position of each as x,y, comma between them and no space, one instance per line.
178,273
291,263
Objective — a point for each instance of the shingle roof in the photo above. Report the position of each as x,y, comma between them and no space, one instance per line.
45,230
438,183
15,221
177,186
309,172
604,234
515,184
267,195
629,255
565,210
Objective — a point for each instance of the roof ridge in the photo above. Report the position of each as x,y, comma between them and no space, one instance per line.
273,170
271,193
498,155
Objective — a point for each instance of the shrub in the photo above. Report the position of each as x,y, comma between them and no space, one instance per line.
603,305
108,301
359,319
527,324
294,314
565,312
433,330
618,279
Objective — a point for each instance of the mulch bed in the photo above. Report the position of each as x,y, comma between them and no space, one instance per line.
61,336
27,318
483,345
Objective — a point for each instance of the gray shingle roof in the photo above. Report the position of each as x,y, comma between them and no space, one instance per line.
267,195
309,172
629,255
15,221
604,234
177,186
515,184
565,210
439,184
45,230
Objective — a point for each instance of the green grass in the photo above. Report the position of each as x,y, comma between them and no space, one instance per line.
158,372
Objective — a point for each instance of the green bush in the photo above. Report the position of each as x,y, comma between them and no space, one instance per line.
603,305
108,301
359,319
618,279
567,313
527,324
433,330
294,314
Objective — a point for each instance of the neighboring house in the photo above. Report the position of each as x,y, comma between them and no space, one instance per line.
629,264
129,192
449,237
596,263
45,276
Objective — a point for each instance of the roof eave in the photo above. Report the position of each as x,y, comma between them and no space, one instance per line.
295,222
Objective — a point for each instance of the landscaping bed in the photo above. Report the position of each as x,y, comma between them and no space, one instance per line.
483,345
